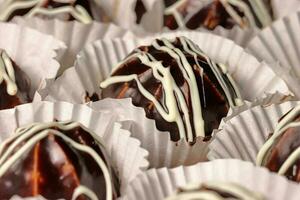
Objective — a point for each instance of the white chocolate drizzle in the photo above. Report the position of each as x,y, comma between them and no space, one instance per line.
36,8
214,191
7,73
174,97
260,11
31,134
285,123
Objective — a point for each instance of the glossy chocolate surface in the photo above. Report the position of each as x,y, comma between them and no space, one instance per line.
53,169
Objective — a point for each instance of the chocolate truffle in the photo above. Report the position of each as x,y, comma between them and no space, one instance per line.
281,152
193,14
178,86
55,160
14,83
79,10
215,190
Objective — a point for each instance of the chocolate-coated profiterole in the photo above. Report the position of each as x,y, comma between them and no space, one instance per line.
79,10
55,160
14,83
215,190
178,86
193,14
281,152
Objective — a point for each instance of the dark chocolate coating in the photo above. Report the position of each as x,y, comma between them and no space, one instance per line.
23,95
282,149
213,102
54,4
53,169
209,17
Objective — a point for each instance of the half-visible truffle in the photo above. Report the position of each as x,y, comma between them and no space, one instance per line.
281,152
56,160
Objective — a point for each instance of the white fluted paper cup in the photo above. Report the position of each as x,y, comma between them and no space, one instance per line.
37,61
284,8
157,184
243,136
280,43
126,155
240,36
75,35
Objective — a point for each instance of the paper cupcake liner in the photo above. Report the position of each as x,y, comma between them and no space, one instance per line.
268,99
280,42
240,36
37,61
74,34
162,151
123,14
243,136
96,61
281,9
126,155
157,184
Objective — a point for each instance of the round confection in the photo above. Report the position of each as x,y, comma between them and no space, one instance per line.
177,85
56,160
79,10
281,152
215,191
193,14
14,83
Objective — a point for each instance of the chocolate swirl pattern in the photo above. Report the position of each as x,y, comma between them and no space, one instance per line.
172,77
49,8
215,191
247,13
75,160
281,152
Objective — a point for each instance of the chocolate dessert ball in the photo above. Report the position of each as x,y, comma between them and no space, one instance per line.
179,87
215,190
281,152
56,160
14,83
79,10
193,14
